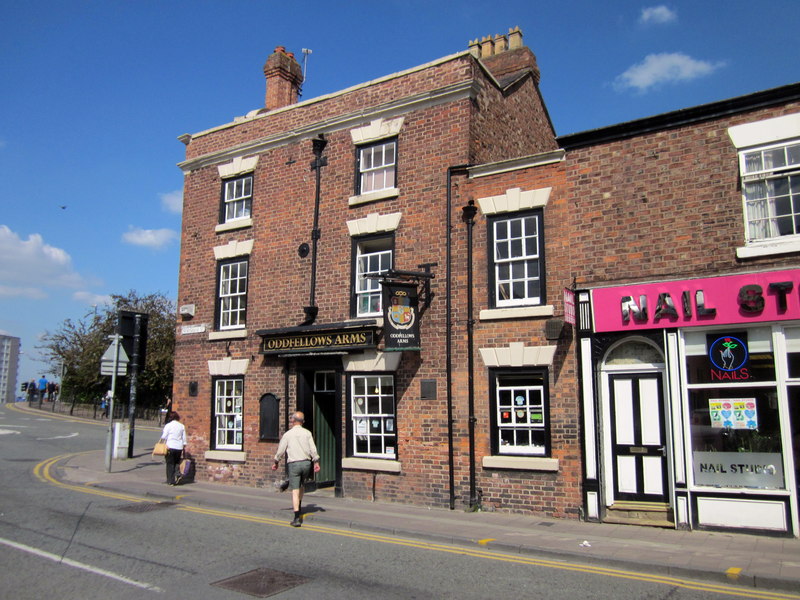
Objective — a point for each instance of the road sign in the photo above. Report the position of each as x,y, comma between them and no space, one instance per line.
107,362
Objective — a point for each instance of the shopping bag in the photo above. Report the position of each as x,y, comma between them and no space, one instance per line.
160,449
184,468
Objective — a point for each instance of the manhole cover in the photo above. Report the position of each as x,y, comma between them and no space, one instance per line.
262,583
141,507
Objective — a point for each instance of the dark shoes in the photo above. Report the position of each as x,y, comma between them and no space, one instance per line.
296,523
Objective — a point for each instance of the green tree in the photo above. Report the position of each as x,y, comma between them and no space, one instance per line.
76,347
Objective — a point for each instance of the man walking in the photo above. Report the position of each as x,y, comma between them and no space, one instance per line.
301,453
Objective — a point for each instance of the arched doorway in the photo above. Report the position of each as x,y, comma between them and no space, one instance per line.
635,433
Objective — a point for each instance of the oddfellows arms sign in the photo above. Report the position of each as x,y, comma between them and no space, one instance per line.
336,337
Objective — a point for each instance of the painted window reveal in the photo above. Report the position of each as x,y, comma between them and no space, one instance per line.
228,401
520,407
377,167
238,199
517,268
373,416
232,295
771,190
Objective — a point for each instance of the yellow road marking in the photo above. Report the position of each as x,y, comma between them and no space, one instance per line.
43,473
486,541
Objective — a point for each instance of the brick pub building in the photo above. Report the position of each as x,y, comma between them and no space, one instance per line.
300,216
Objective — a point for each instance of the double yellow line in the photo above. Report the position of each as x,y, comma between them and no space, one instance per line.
44,472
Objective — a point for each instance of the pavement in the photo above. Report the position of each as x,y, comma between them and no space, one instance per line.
758,561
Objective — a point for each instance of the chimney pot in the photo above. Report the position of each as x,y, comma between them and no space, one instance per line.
487,46
500,44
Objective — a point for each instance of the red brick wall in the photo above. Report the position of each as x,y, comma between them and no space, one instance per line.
662,205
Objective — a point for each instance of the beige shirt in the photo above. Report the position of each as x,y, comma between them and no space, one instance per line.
297,444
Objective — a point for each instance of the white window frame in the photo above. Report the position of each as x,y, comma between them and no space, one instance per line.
517,260
764,227
376,170
237,199
228,411
373,422
371,258
508,402
232,300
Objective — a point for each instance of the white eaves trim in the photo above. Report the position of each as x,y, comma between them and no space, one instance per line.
766,131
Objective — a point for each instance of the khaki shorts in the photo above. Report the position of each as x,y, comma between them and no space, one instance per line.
299,473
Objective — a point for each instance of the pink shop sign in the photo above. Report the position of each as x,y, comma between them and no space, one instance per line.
751,298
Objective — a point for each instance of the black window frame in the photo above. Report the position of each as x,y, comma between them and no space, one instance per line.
538,213
537,372
357,174
218,297
213,417
223,204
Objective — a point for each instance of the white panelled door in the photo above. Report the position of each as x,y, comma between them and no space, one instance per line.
638,437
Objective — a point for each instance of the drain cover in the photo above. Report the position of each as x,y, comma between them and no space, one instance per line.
261,583
141,507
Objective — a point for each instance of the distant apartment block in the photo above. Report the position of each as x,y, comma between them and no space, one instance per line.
9,363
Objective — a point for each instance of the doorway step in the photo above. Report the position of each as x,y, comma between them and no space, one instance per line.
652,514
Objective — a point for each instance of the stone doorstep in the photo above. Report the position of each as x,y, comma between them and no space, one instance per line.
652,514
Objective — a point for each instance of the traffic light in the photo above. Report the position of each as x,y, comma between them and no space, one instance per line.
24,386
126,327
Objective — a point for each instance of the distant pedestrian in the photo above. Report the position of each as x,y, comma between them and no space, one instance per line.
42,387
32,391
174,434
104,404
51,391
301,453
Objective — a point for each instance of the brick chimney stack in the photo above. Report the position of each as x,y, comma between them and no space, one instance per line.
505,55
284,78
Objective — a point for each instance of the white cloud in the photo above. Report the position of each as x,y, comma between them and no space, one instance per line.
657,69
92,299
29,266
149,238
172,201
657,15
32,293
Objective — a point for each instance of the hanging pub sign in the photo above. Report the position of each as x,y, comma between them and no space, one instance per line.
401,316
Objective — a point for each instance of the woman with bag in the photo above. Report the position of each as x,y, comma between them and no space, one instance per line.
174,435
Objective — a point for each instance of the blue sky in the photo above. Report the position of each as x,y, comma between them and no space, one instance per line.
94,94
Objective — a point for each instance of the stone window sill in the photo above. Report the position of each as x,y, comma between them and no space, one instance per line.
233,334
371,464
521,463
226,455
520,312
374,196
769,248
232,225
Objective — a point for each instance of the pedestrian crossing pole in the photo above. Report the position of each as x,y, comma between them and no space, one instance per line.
110,436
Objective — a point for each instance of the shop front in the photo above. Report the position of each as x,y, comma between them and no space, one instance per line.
691,395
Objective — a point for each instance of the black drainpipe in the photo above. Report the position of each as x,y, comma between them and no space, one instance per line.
319,161
449,331
469,212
